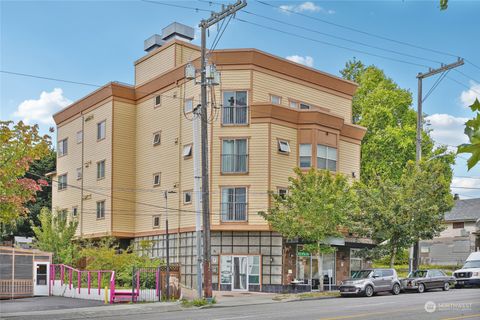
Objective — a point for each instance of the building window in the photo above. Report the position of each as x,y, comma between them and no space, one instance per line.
304,106
275,99
156,138
101,209
293,104
356,261
234,156
234,109
156,221
253,269
156,179
100,169
305,155
326,158
188,105
234,204
187,150
79,136
187,197
157,101
458,225
63,147
62,214
225,269
79,173
282,192
62,182
283,146
101,127
74,212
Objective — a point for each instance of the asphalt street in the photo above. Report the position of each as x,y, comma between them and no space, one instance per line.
450,305
454,304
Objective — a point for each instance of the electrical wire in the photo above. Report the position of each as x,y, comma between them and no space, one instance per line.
176,6
437,82
357,30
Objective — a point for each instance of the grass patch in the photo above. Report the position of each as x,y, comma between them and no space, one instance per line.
319,294
198,302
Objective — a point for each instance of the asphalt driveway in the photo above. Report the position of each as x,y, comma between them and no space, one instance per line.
44,303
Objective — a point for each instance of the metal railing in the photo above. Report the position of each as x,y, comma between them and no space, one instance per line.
234,211
235,115
233,163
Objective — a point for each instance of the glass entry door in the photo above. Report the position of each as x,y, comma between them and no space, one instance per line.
40,284
240,275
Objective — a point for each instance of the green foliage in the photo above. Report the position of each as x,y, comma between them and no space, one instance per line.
384,108
20,145
472,130
395,215
55,234
43,198
443,4
198,302
107,255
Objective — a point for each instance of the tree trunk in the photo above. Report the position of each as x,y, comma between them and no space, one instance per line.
320,268
393,253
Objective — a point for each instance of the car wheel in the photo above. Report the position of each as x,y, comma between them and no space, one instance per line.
368,291
421,288
396,289
446,286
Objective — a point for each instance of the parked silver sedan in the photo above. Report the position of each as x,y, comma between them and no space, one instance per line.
423,280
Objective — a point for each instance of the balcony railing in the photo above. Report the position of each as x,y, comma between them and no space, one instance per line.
234,163
235,115
234,211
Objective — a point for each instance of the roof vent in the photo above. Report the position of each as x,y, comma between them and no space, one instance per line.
153,42
178,31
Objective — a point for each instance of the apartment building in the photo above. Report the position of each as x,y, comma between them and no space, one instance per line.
122,146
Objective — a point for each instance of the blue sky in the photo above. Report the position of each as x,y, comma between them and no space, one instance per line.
97,41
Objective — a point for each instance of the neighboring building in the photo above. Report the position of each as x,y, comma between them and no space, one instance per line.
121,147
459,239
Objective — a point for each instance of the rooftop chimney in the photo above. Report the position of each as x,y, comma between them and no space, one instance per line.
178,31
153,42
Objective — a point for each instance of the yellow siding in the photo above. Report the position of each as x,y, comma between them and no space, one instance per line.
155,65
186,54
265,85
349,158
235,79
95,151
282,164
124,167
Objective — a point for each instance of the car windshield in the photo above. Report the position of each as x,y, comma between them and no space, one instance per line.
418,274
361,274
472,264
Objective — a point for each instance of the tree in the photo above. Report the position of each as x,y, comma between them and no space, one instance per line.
384,108
43,198
315,209
55,234
396,215
20,145
472,130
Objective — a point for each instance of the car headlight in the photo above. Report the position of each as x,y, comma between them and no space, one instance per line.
358,282
475,274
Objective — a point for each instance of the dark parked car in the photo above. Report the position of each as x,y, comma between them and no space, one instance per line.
422,280
370,281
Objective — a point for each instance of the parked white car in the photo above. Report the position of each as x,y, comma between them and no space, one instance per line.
469,275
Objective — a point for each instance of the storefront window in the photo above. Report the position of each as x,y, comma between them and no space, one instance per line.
226,269
308,268
356,261
254,270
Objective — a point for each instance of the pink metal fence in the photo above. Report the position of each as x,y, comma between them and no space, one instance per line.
83,278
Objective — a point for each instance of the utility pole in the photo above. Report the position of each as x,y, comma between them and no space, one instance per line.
414,251
204,25
167,238
197,182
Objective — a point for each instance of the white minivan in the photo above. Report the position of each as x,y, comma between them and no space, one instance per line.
469,275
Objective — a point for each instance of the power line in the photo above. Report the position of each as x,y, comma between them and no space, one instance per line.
49,78
358,30
466,76
329,43
471,63
176,6
437,82
463,85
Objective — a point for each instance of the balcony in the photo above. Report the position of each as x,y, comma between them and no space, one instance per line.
234,163
234,211
236,115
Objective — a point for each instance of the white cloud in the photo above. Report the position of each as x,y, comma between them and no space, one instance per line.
305,7
307,60
41,110
467,97
466,187
447,129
